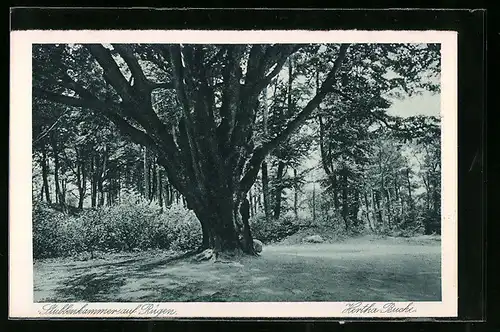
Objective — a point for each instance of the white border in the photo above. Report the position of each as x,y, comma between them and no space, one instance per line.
20,228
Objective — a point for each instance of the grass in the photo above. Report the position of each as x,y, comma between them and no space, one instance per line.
359,269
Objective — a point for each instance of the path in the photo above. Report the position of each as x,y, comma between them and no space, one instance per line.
358,269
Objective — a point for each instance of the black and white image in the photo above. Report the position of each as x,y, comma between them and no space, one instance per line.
236,172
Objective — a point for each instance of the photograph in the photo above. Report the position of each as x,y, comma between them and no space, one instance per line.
238,171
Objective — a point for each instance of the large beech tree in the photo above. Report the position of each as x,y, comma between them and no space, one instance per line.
195,107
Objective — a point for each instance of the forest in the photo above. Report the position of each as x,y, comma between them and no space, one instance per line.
197,146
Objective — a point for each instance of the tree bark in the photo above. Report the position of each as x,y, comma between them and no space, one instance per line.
154,183
278,189
314,203
345,206
264,173
265,190
81,175
367,204
295,193
93,184
55,150
160,188
380,216
45,174
101,176
251,202
146,173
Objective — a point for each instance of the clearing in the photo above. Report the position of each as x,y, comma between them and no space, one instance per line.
358,269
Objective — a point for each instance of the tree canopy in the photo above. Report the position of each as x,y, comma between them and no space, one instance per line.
212,114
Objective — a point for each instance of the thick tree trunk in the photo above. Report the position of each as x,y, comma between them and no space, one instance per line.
225,226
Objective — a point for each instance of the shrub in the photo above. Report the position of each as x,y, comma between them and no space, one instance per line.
50,231
132,224
273,230
184,228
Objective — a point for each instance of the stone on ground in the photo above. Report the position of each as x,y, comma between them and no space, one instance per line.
313,239
205,255
257,246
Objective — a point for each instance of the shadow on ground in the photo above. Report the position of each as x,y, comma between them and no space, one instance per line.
357,271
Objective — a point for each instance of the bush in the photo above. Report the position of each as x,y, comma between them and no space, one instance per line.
184,228
273,230
132,224
48,231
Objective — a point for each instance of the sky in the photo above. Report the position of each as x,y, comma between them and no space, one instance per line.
426,104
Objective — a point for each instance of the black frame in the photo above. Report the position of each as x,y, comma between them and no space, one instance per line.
470,25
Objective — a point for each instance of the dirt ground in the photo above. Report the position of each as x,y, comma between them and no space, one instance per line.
361,269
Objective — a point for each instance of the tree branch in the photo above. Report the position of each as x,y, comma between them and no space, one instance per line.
132,63
42,135
112,73
176,60
260,152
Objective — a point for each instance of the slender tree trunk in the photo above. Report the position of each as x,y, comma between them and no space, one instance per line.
380,217
367,204
146,173
62,200
265,190
45,174
264,173
42,191
160,188
295,193
278,189
93,184
251,202
344,200
83,185
154,183
355,207
389,207
101,177
55,150
408,183
314,203
168,196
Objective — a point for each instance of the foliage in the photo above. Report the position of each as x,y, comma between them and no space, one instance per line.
273,230
133,224
196,124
